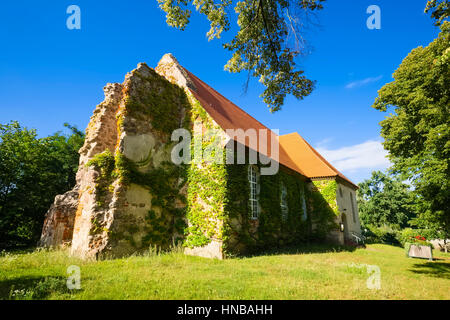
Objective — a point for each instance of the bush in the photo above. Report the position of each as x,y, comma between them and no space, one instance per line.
384,234
409,235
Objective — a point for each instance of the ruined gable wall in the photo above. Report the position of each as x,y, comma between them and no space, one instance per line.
100,136
129,195
138,199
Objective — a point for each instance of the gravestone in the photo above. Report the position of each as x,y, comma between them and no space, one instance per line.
418,251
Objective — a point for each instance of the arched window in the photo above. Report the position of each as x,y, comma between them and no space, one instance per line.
303,198
284,203
352,199
253,181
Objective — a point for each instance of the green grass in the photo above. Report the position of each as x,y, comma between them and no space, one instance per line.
316,273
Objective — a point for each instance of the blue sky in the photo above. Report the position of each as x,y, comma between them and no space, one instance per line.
50,74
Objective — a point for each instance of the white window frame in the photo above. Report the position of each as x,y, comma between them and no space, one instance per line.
253,196
283,202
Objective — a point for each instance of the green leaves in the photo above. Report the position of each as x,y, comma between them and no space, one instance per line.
440,10
417,134
175,15
268,40
384,200
32,172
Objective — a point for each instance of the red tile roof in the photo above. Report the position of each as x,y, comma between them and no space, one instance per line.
313,164
294,152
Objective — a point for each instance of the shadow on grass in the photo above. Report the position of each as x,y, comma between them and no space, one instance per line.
299,249
32,288
433,269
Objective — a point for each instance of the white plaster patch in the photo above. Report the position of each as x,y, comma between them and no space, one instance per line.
137,148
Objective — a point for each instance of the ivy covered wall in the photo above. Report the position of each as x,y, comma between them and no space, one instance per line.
245,235
323,203
207,180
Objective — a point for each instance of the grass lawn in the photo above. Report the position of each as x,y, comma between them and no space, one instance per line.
316,273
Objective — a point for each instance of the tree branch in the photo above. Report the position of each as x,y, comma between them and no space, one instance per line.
272,46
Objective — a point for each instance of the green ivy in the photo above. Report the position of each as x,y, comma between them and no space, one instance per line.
156,98
207,188
272,229
163,184
104,163
324,205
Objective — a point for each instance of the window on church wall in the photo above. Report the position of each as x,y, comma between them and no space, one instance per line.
353,207
253,181
283,203
303,199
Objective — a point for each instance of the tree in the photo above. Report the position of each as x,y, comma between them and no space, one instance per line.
267,42
440,10
417,135
385,200
32,172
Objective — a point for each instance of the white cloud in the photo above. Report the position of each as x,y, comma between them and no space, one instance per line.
363,82
323,143
367,155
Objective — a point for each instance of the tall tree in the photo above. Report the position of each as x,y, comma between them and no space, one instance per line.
266,44
385,200
417,133
32,172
